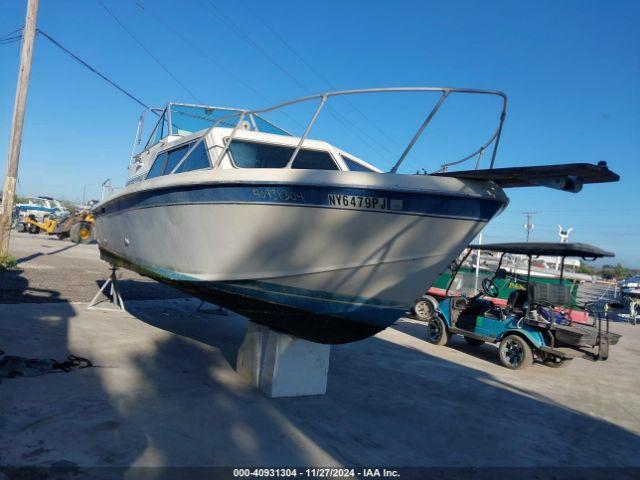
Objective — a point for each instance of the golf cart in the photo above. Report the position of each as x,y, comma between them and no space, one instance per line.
531,325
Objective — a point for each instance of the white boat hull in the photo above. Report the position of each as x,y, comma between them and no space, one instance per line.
322,272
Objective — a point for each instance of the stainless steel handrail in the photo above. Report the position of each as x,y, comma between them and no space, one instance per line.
324,97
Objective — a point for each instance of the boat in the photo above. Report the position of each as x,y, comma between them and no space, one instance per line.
630,287
294,232
39,209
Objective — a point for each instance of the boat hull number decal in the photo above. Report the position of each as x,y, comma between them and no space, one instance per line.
364,202
278,194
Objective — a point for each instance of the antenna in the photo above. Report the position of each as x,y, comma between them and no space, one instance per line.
564,238
529,225
564,234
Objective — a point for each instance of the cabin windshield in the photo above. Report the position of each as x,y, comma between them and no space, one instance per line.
183,119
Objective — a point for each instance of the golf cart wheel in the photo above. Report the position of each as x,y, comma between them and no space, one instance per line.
437,332
515,353
556,362
423,309
473,341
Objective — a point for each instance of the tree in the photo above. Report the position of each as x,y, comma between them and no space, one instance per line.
615,272
619,271
585,269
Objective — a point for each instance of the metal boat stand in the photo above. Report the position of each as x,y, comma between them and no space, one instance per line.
218,311
114,296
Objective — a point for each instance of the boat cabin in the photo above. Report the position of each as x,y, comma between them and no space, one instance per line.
195,137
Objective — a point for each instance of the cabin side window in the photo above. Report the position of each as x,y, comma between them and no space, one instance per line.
261,155
175,156
167,161
354,166
198,159
158,165
314,160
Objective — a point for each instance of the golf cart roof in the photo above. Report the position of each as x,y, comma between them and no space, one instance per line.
583,250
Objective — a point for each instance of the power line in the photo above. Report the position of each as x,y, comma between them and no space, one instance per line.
10,40
315,71
205,55
247,38
12,32
11,37
86,65
202,52
582,227
148,52
576,210
237,30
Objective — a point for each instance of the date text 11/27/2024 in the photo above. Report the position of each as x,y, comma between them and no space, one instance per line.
329,473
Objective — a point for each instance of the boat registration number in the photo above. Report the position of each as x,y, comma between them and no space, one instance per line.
360,201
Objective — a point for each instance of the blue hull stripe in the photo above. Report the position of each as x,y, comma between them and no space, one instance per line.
363,199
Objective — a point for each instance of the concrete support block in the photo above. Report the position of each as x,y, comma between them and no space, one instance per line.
282,365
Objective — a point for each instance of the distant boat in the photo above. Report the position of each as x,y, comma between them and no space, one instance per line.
631,287
39,208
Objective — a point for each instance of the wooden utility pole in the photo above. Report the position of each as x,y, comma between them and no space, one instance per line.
9,191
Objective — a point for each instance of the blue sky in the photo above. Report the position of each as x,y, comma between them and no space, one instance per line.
571,70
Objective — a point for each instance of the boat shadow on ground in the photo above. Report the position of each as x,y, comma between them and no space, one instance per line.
387,404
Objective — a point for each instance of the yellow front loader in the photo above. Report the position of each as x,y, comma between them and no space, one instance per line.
79,227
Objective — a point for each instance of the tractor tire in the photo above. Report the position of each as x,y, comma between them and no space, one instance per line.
33,229
21,227
515,353
474,341
74,236
81,232
437,332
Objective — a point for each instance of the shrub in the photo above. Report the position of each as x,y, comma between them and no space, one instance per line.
7,262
